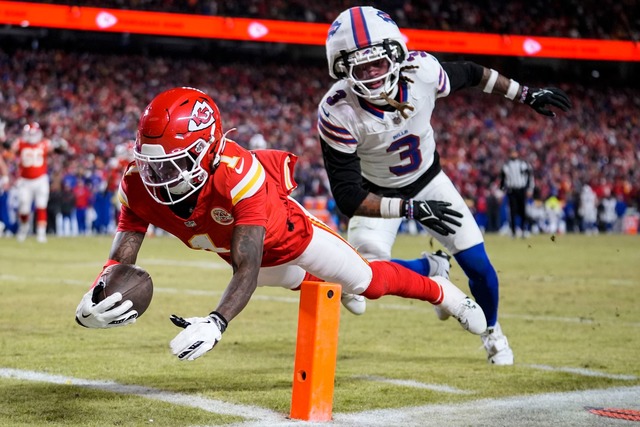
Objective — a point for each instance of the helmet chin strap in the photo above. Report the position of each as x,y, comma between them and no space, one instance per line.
218,156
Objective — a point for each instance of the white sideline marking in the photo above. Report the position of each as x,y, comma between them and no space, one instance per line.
194,401
414,384
582,371
550,409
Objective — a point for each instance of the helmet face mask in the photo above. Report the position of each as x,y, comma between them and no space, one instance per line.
173,177
362,35
179,144
382,57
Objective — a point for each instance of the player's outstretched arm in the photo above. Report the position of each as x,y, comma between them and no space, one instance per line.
469,74
112,311
201,334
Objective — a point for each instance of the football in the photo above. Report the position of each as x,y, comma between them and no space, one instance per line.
132,281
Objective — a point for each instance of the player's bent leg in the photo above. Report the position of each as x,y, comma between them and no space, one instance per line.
483,282
327,258
483,279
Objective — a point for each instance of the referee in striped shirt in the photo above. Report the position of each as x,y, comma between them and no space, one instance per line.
517,180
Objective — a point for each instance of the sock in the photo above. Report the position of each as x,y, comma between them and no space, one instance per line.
390,278
483,280
421,265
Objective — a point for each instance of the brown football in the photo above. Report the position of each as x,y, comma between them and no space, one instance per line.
132,281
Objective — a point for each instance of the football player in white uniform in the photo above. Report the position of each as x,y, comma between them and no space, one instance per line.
380,154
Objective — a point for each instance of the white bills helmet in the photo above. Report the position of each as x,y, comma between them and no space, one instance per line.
362,35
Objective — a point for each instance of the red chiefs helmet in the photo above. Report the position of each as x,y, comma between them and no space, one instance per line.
178,144
32,133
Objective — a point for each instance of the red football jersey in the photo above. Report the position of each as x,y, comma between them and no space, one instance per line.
32,158
247,188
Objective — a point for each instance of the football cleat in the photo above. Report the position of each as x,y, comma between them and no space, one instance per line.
497,346
23,231
456,304
442,262
356,304
439,263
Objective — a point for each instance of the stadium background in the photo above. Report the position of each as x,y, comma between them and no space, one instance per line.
89,88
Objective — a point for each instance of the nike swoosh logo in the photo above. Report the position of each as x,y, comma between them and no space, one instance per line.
324,111
84,317
240,168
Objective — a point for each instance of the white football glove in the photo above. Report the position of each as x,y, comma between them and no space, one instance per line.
102,315
200,335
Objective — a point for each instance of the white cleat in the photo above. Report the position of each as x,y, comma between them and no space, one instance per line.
497,346
466,311
23,231
439,263
356,304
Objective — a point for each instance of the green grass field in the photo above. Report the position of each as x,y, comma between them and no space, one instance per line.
570,307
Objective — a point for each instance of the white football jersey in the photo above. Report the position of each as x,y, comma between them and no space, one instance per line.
393,151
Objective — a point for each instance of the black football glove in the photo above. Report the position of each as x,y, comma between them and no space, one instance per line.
433,214
540,98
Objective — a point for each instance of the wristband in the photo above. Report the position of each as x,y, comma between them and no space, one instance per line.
523,95
493,77
513,89
220,321
390,207
109,263
407,209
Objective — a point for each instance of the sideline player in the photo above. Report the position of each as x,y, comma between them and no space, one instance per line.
380,154
32,186
212,194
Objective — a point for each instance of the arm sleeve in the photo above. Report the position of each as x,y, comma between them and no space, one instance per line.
463,74
345,179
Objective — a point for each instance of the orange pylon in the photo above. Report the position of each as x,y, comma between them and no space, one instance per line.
316,351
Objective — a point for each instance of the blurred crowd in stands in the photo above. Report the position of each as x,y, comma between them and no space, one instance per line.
93,102
600,19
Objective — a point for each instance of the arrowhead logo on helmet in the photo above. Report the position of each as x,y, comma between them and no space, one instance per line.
201,117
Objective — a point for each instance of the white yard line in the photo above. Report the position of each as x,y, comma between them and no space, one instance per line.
582,371
414,384
194,401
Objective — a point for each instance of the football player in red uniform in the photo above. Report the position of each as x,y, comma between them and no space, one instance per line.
191,181
32,185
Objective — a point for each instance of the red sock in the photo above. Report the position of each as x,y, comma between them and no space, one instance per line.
390,278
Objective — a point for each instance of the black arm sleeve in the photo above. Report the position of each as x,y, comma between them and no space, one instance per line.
463,74
345,178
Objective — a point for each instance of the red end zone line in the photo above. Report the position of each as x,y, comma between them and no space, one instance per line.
617,413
